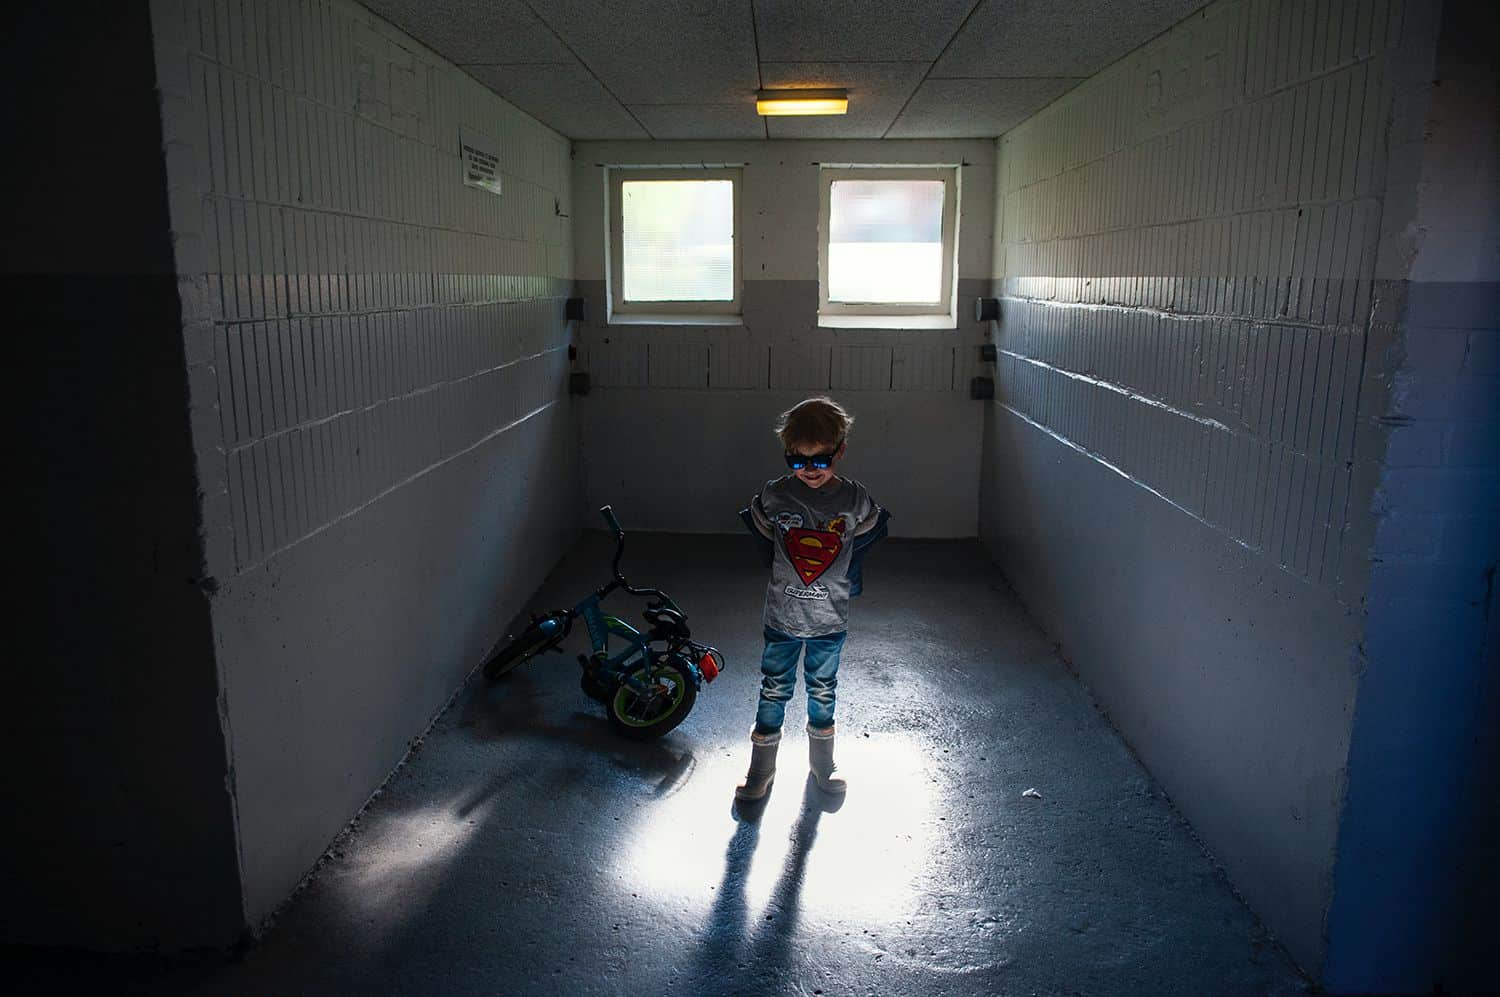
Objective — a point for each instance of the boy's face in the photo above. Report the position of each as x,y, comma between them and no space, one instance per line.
814,477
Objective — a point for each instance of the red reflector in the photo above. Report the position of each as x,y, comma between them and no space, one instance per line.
708,666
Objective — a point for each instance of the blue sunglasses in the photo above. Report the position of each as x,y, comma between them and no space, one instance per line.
820,461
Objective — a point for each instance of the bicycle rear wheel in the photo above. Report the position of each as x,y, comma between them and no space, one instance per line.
541,635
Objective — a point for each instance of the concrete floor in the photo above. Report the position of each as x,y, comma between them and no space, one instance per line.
525,849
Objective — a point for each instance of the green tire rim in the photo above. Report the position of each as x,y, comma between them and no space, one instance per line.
624,695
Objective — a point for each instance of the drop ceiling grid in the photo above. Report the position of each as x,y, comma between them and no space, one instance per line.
683,69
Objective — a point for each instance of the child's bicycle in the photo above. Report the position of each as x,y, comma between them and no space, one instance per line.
649,687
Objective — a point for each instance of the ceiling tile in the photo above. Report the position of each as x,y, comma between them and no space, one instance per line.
484,31
701,121
856,30
661,51
975,108
1008,38
566,98
877,90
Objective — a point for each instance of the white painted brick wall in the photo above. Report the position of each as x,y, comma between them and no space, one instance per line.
1253,269
1187,243
1188,248
378,368
363,316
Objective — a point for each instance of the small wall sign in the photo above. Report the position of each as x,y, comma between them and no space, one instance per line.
481,160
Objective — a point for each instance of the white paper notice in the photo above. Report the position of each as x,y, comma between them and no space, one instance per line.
481,156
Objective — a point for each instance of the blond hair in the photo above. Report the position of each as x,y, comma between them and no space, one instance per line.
814,422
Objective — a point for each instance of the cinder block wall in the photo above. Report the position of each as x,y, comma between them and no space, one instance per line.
1415,874
118,829
677,432
1242,461
1179,466
377,360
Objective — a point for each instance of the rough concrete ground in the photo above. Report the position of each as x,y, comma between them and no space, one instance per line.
526,849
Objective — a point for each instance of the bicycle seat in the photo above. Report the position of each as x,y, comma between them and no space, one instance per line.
667,622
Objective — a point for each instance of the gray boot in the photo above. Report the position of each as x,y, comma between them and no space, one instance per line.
820,757
762,766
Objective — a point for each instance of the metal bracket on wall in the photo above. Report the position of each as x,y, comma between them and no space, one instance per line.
982,387
578,383
989,352
986,309
573,310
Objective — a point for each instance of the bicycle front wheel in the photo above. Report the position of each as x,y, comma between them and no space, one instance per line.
541,635
667,695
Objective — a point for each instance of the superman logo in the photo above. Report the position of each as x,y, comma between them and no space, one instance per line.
812,551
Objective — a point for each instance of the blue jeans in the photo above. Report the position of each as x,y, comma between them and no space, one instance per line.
778,668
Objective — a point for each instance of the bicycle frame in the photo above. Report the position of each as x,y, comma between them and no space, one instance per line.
602,626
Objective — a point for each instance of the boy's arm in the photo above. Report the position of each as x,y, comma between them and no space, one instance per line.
762,521
870,519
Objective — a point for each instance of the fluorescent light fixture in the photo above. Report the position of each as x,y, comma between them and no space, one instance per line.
776,102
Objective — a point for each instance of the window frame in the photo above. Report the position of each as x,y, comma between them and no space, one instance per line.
949,175
614,271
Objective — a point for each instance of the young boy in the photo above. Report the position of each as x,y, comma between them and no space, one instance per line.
811,516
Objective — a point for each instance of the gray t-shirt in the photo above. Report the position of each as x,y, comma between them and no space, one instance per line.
812,531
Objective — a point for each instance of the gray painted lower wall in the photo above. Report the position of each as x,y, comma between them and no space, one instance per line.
687,461
1417,863
119,830
344,646
1232,679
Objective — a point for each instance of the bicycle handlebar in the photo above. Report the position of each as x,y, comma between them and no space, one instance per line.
614,524
619,531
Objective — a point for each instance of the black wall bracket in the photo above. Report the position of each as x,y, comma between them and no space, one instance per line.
986,309
573,310
982,387
989,352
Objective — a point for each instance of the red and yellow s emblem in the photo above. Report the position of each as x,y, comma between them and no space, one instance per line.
812,551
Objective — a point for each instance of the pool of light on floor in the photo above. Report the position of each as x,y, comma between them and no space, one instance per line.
399,859
865,861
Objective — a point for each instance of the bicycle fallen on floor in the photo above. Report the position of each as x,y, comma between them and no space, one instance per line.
650,686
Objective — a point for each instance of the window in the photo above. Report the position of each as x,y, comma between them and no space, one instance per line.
673,248
886,242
